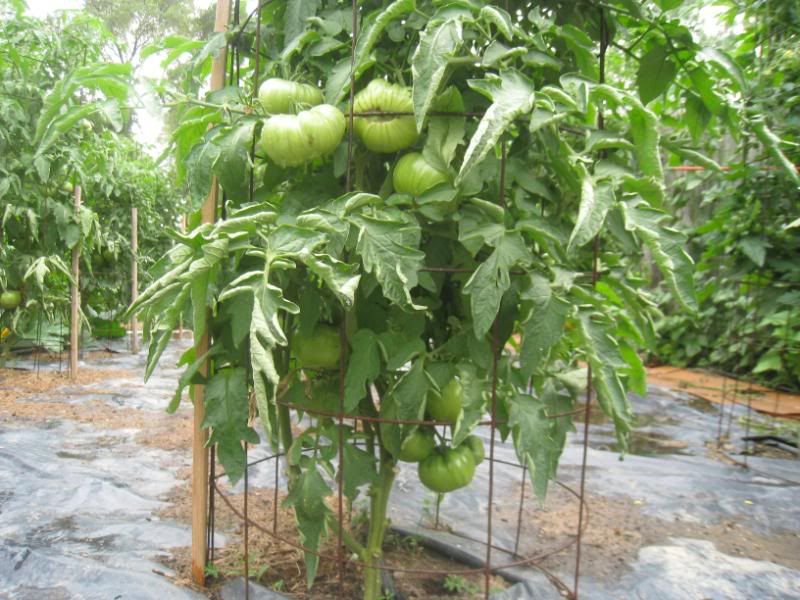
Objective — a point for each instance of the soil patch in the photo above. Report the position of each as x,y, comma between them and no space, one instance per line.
618,528
18,388
279,566
724,390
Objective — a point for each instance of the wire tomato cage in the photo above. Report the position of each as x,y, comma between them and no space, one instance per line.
490,566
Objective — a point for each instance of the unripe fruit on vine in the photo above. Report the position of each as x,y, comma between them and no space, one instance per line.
447,405
413,175
291,140
447,469
279,96
10,299
320,350
418,446
379,133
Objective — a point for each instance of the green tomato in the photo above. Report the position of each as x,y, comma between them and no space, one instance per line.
418,446
279,96
447,405
413,175
67,187
475,445
10,299
379,133
320,350
447,469
291,140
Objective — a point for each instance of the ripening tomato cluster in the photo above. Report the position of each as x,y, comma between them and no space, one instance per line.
441,467
301,128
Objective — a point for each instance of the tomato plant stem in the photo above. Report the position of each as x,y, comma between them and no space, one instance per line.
377,527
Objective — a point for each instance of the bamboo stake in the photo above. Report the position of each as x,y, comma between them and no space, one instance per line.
134,276
200,436
75,297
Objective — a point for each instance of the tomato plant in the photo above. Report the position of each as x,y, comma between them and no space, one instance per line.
511,256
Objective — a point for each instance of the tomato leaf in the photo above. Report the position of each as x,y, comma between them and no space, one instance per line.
307,496
545,326
603,354
656,71
388,249
668,248
596,200
362,367
512,96
491,280
359,469
371,29
473,403
437,45
227,413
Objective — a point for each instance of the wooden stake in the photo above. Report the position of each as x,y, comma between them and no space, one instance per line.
200,437
75,298
134,276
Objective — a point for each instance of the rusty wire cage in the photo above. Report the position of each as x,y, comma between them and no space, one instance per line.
489,565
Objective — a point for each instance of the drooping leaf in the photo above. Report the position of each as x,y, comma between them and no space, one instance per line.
603,355
362,368
656,71
307,496
437,45
596,200
386,250
668,248
227,413
512,96
544,327
491,279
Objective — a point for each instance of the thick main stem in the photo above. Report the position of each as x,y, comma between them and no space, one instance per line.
377,528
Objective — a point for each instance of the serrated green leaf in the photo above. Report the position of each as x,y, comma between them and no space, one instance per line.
429,63
359,469
410,391
362,368
473,403
602,353
512,96
596,201
543,329
307,496
772,144
385,251
372,27
646,138
668,248
491,280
